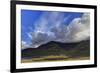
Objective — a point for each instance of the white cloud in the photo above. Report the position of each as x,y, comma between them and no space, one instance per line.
79,30
24,45
50,28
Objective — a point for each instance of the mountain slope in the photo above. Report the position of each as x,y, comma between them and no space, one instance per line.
72,50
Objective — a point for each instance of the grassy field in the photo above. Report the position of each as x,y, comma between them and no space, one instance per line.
53,58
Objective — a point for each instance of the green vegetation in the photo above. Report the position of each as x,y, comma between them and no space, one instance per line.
57,51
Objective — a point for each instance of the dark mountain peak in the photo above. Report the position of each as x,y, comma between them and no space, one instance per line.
56,48
53,43
59,44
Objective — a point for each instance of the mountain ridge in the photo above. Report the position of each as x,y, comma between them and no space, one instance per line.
55,48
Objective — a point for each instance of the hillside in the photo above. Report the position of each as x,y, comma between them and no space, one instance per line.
58,50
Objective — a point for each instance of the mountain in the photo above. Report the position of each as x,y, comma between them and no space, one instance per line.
79,49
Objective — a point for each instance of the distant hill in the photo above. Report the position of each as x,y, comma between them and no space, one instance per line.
79,49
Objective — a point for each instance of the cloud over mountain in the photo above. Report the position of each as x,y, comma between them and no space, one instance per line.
50,27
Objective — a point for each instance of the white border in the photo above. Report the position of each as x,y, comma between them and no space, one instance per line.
20,65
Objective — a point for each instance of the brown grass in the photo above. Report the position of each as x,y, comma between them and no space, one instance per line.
53,58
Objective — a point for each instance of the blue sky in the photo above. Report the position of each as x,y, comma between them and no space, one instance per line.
29,18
